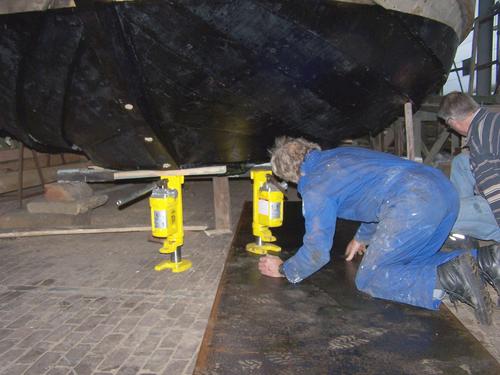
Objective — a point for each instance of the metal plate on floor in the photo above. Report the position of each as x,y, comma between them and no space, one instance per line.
261,325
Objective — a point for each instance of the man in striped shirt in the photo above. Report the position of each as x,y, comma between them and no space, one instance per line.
476,174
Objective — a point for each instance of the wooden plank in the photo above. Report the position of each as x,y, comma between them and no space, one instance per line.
126,175
325,325
12,155
410,140
64,232
222,203
417,133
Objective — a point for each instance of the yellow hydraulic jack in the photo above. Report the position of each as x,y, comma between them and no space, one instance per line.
267,210
166,222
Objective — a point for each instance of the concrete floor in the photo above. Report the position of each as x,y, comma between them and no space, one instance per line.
92,304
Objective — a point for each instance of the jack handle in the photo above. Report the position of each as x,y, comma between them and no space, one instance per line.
138,193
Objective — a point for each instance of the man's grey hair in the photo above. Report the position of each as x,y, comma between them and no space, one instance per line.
456,105
287,156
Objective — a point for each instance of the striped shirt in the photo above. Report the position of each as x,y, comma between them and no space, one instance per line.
483,140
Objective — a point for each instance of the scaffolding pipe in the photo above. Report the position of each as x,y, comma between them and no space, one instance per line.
484,48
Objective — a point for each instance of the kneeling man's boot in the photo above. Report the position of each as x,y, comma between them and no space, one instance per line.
457,241
460,279
489,265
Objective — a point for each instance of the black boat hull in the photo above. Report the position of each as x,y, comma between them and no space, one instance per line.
149,83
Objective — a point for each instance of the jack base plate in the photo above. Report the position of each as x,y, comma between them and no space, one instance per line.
176,267
262,249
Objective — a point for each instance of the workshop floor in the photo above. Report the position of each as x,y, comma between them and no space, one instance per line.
92,304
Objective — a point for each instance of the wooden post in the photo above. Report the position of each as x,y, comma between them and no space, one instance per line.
222,203
417,133
398,137
37,165
410,140
472,69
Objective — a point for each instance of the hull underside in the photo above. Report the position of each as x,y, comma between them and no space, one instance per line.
144,84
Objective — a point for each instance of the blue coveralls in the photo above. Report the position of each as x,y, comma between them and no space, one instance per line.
407,211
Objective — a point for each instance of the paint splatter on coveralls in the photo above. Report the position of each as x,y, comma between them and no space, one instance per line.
407,211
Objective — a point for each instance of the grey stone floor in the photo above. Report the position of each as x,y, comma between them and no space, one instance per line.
92,304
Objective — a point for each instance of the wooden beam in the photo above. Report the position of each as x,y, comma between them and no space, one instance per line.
64,232
222,203
436,147
127,175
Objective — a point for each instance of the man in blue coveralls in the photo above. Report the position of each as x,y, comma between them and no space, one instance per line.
406,211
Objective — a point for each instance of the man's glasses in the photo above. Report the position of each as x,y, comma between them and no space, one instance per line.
443,121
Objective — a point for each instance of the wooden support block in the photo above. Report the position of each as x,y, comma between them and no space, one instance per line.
222,203
67,191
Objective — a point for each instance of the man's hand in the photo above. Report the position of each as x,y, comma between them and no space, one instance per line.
269,266
354,247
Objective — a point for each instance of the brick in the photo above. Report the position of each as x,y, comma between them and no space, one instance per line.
136,360
188,345
98,333
69,341
20,334
141,309
5,333
89,324
127,324
59,333
185,321
158,360
136,337
43,364
6,345
108,308
132,302
128,370
87,365
31,356
148,345
15,370
80,316
172,339
21,322
175,367
33,339
10,356
77,353
108,343
150,318
115,359
176,310
60,371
